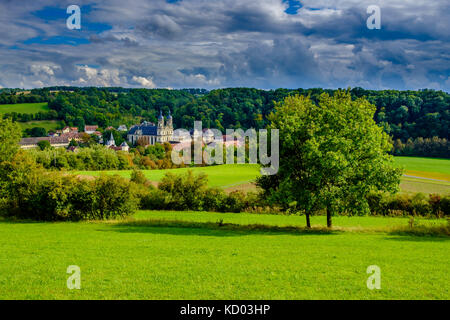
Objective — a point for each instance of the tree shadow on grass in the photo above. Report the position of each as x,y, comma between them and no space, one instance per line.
417,237
218,229
8,220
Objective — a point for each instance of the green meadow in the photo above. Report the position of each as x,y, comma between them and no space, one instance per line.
206,255
427,175
46,124
438,169
189,255
223,176
30,108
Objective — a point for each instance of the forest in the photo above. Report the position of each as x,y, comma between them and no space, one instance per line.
405,115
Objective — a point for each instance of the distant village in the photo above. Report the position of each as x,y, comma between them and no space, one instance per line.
63,138
146,133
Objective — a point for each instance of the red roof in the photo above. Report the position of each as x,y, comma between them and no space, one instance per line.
90,128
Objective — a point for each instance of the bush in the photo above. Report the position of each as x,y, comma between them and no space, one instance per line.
377,203
138,177
31,193
445,205
213,199
420,205
402,204
113,197
156,199
186,191
190,192
234,202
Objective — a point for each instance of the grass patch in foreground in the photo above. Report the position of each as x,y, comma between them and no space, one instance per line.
152,259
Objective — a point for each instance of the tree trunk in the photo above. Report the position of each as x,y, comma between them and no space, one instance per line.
308,221
329,222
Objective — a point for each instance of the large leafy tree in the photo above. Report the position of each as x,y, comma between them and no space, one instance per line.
332,154
10,134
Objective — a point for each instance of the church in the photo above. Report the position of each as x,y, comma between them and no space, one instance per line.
149,134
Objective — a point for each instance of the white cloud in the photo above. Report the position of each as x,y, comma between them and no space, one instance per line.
145,82
46,69
98,77
203,43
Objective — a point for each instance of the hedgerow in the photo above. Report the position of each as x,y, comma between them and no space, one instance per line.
29,192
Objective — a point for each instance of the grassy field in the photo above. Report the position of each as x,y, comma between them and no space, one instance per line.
240,177
412,185
426,175
438,169
153,257
31,108
46,124
219,176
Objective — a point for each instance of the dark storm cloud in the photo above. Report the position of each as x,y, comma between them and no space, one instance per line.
212,43
283,63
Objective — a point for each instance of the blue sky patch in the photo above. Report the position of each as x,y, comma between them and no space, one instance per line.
57,40
294,6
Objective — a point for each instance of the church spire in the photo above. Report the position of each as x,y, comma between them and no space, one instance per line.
169,120
160,119
111,142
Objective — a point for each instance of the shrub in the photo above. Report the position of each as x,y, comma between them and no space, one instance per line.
156,199
435,204
445,205
377,203
138,177
31,193
234,202
404,204
186,191
213,199
113,197
399,205
420,205
44,144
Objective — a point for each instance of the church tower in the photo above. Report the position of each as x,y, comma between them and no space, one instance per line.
160,120
111,142
170,121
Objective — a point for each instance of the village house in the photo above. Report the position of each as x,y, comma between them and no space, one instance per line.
90,129
56,142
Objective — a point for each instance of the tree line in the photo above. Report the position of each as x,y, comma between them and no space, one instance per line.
434,147
402,114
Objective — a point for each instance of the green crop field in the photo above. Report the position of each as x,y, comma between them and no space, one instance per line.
31,108
426,175
187,255
438,169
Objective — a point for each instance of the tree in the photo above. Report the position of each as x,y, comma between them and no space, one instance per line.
332,154
118,138
137,176
44,144
10,134
73,143
36,132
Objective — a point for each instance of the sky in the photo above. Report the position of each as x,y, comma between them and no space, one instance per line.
210,44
